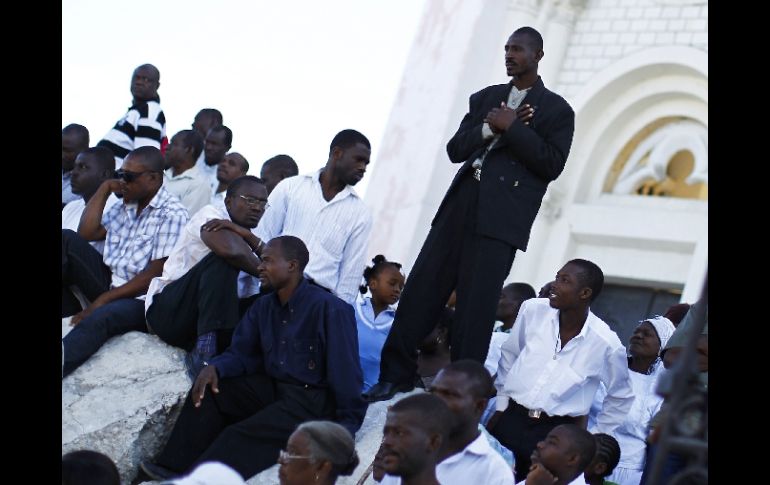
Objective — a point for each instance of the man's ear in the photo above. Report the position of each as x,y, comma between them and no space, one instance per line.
435,442
337,153
539,55
585,293
293,265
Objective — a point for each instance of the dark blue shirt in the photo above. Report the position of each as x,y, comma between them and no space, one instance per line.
311,340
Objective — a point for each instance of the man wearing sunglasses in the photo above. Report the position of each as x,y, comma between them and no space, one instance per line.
139,235
194,305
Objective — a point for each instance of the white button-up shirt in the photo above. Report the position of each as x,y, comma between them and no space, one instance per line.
336,232
538,373
70,217
477,463
189,251
191,186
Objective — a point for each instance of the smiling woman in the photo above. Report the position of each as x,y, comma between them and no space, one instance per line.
279,72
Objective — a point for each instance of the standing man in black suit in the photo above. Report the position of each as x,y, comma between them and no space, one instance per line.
512,143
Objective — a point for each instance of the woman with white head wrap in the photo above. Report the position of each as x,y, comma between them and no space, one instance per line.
645,367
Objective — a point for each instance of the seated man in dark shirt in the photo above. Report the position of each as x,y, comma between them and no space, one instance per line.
293,358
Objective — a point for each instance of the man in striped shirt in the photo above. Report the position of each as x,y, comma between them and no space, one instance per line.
144,124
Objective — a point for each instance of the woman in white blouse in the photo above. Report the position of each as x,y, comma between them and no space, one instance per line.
645,368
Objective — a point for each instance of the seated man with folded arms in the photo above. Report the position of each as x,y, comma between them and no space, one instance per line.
194,304
139,235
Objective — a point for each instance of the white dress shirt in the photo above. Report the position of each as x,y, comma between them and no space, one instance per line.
477,463
336,232
189,251
191,186
70,217
538,373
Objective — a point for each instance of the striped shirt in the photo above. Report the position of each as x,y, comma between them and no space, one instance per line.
131,242
143,125
335,232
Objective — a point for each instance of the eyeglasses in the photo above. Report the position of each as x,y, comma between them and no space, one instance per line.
253,201
130,176
284,455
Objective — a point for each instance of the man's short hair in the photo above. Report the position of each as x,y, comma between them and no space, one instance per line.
244,162
583,443
293,248
87,467
433,414
522,291
148,157
78,130
534,37
213,113
283,163
103,157
192,139
347,138
591,275
481,383
228,133
235,185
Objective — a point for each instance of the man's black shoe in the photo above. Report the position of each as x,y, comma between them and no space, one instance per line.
382,391
157,472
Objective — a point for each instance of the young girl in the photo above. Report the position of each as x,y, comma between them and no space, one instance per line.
374,315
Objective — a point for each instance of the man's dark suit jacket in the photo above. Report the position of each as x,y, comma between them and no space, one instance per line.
518,169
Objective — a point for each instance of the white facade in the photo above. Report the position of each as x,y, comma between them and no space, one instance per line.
636,74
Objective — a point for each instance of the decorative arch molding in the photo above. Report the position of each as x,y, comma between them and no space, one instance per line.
623,99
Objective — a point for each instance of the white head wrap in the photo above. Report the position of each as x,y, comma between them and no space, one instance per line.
663,327
211,473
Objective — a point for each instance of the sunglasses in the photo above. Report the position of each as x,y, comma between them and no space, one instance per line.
130,176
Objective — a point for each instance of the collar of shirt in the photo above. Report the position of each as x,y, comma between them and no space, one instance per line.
580,336
66,175
301,287
479,447
316,178
160,198
366,312
191,173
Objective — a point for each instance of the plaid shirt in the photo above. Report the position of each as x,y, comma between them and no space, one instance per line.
131,242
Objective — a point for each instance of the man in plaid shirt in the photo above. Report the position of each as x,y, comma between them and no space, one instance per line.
139,235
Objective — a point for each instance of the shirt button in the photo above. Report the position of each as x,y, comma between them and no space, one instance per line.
502,179
284,321
281,362
283,342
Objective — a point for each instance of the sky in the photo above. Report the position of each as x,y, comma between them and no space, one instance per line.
287,75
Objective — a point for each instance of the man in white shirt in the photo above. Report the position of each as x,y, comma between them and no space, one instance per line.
216,143
467,457
74,139
182,177
91,167
416,431
323,210
194,304
562,457
234,165
552,363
